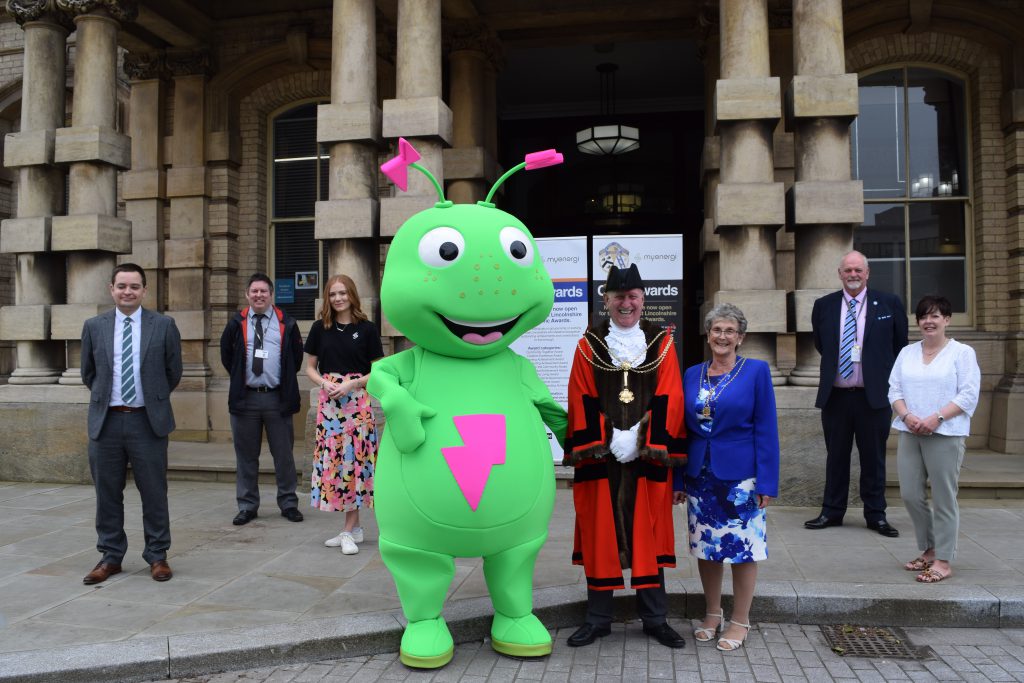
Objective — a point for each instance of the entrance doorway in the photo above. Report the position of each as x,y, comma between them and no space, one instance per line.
547,95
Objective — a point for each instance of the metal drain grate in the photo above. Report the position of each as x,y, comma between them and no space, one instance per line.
877,642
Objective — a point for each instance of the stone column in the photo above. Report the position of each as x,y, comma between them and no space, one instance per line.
824,201
91,234
418,112
468,165
188,189
39,276
749,206
351,125
1006,431
144,187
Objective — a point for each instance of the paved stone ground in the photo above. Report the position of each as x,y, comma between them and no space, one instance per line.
782,653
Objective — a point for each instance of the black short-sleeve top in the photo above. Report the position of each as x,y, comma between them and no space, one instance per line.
344,348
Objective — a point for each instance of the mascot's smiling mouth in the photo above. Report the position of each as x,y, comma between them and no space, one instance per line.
479,332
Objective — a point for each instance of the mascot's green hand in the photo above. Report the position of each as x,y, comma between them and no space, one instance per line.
405,419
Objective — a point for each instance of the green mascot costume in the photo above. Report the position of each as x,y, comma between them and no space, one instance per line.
464,468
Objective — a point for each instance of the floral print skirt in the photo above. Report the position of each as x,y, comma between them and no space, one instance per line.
724,522
346,451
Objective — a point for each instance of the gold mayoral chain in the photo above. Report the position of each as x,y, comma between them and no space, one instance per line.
624,366
715,391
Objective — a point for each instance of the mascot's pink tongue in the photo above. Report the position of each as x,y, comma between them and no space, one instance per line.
474,338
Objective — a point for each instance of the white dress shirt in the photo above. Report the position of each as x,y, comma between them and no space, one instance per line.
115,390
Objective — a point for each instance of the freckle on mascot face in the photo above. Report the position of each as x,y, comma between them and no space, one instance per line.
464,467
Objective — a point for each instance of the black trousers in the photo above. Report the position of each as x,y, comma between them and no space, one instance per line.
845,418
263,412
651,605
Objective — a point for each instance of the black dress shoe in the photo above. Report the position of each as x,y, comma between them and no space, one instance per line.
292,514
883,527
587,634
666,635
822,522
244,517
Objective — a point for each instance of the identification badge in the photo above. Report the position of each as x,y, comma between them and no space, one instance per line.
262,353
855,353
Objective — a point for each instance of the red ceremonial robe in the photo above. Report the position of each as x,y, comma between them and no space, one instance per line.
624,512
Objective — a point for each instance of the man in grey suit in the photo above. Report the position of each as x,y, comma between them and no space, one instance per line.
131,362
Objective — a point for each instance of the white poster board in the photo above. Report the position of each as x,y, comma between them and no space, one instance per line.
550,345
659,258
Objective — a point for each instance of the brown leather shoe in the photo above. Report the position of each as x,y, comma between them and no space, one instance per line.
101,572
160,571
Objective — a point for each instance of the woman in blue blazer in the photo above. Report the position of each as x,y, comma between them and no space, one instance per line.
732,472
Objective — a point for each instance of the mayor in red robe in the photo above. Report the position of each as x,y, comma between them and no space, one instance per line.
625,433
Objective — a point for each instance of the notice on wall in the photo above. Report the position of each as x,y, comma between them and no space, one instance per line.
659,258
550,345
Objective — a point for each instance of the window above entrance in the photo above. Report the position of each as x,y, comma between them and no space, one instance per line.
910,150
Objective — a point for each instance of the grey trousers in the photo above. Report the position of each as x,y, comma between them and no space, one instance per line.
934,459
128,438
263,411
651,605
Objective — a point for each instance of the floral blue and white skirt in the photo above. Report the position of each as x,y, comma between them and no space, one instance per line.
724,521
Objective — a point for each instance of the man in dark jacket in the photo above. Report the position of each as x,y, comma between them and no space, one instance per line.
858,332
261,349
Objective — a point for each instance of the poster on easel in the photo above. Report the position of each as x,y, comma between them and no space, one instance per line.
550,345
660,261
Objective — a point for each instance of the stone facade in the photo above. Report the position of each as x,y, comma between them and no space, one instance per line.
198,92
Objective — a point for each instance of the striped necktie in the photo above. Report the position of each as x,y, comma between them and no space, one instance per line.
257,344
127,366
846,344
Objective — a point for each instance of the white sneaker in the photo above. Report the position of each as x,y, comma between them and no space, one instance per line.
356,533
348,546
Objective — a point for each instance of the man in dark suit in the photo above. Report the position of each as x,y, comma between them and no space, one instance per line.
858,332
261,349
131,362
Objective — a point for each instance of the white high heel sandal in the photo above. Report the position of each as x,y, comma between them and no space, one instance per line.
704,634
732,643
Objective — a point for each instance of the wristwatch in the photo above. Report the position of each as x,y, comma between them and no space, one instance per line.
941,419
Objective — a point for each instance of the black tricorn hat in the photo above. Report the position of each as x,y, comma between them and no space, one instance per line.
622,280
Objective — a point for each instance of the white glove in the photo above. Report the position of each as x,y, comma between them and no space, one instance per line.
624,444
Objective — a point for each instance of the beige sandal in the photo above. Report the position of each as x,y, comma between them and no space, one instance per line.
705,634
731,643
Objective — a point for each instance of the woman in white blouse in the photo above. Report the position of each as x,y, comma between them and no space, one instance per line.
933,388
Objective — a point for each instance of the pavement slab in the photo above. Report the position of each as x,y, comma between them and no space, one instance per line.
269,595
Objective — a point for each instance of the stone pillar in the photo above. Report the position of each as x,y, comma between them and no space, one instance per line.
144,187
188,189
39,276
417,113
92,234
824,202
1006,431
749,206
351,125
468,165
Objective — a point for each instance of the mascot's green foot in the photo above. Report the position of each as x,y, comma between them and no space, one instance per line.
427,644
520,637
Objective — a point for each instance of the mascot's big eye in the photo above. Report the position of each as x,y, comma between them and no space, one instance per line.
517,246
442,247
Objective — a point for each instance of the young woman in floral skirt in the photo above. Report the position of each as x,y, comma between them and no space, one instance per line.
340,348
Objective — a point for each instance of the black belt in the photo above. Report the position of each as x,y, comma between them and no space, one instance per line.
848,388
127,409
262,390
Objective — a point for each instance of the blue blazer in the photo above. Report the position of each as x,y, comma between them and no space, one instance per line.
744,438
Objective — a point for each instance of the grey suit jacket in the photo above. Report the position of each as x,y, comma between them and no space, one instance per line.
159,368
